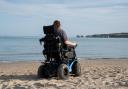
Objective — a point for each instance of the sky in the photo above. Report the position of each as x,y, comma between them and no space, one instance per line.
84,17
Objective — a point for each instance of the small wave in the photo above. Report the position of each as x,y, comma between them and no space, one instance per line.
5,54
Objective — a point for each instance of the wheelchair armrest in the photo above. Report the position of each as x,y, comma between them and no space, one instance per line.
65,50
69,49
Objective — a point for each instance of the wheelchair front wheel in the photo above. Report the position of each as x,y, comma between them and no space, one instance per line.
63,72
76,69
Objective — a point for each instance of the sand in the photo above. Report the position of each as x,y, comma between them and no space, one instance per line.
96,74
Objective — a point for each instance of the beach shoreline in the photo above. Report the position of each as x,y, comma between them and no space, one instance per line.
96,74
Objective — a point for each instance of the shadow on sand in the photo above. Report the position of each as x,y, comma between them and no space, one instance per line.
23,77
19,77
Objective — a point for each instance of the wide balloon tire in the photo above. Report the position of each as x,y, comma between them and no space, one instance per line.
63,72
76,69
42,72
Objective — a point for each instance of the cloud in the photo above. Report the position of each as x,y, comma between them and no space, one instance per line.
11,8
37,1
99,5
32,9
57,7
88,16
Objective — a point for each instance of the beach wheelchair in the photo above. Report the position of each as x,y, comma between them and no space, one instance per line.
60,60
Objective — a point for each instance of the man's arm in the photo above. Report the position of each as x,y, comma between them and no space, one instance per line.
69,43
66,41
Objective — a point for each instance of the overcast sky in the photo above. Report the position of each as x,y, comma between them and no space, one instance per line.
26,17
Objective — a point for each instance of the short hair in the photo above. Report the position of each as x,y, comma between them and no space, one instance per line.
56,22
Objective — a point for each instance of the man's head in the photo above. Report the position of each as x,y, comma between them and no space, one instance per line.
56,24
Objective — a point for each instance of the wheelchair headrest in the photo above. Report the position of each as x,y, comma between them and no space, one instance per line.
48,29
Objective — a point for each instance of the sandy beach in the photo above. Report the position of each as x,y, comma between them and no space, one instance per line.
96,74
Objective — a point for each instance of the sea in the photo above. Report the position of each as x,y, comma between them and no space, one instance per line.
29,48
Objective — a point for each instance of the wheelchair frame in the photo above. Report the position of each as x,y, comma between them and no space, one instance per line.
56,55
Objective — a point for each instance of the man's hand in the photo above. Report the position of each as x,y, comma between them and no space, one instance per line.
72,45
75,45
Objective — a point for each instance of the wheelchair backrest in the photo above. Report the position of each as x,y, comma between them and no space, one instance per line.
52,43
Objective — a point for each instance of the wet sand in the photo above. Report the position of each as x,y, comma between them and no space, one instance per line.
96,74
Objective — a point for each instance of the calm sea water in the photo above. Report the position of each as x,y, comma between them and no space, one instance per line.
28,48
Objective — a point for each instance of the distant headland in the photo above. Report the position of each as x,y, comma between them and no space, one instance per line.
110,35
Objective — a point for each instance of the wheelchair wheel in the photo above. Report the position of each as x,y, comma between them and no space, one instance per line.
42,72
76,69
63,72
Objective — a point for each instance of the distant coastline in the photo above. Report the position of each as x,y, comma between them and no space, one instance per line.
110,35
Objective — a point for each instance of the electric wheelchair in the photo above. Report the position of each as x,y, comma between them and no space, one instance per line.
61,60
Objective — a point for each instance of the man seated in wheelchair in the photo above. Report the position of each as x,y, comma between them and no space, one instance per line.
59,53
57,47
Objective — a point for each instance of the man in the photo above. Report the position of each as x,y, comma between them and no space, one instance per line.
62,34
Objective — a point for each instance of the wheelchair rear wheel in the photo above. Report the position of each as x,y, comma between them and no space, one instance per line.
42,72
63,72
